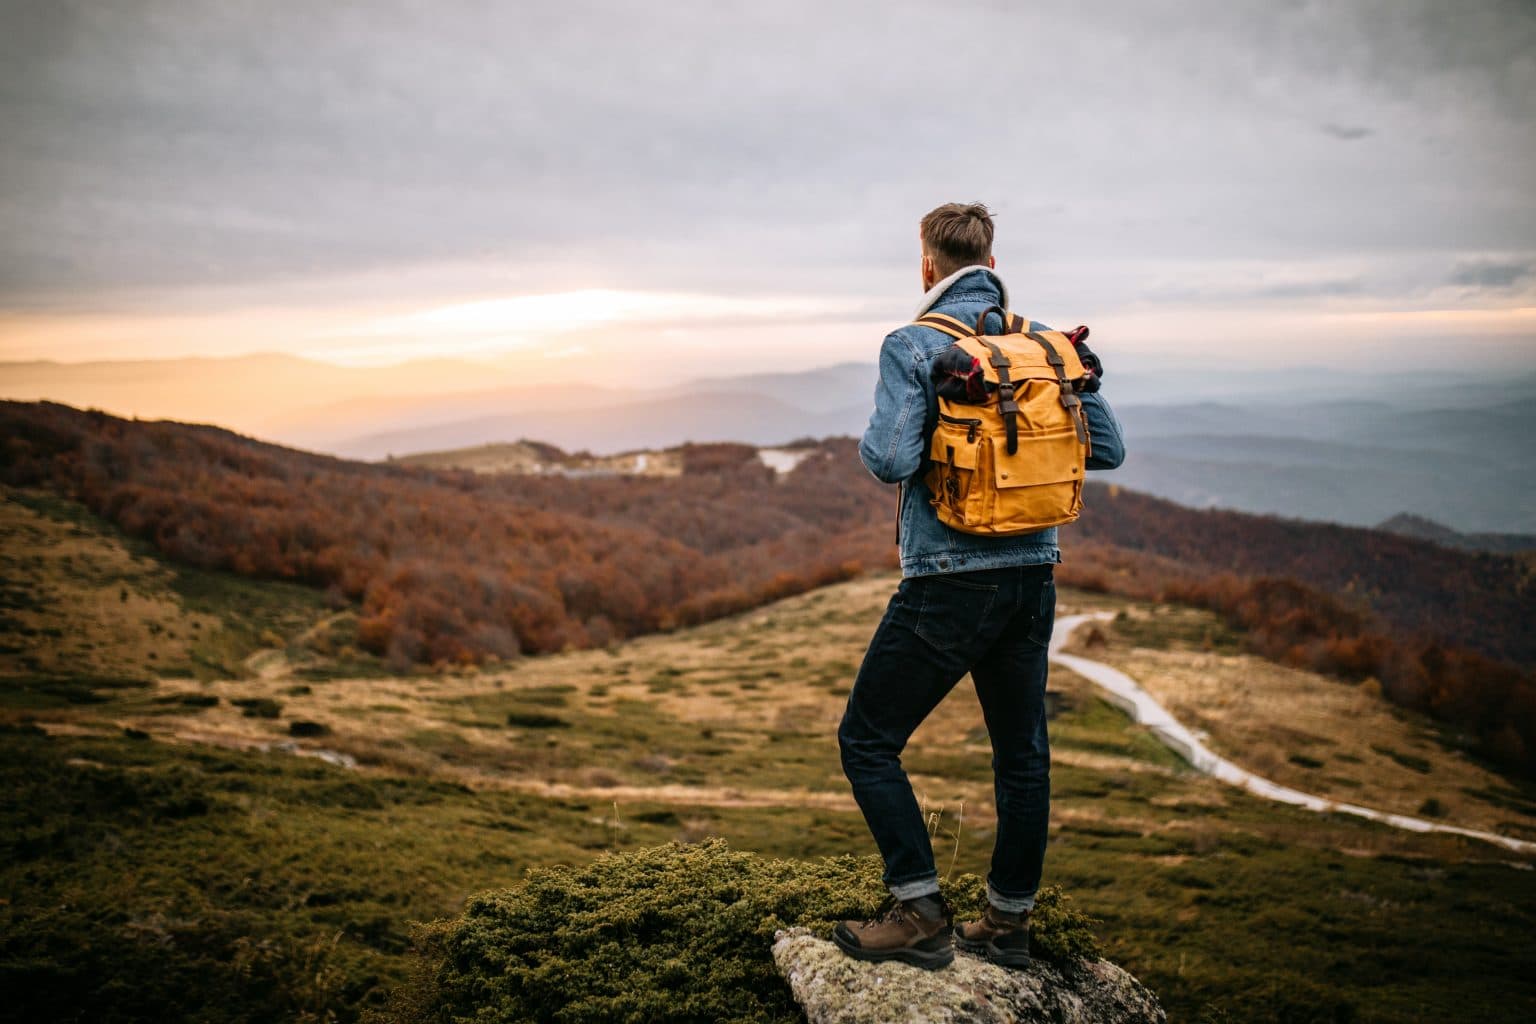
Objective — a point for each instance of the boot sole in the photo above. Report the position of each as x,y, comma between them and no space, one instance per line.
1015,958
915,957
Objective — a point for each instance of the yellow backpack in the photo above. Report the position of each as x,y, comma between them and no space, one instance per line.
1015,462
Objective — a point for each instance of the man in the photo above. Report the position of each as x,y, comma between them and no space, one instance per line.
966,603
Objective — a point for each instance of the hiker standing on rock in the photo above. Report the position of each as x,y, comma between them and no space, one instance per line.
988,422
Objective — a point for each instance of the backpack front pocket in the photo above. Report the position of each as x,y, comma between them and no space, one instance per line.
956,454
1040,486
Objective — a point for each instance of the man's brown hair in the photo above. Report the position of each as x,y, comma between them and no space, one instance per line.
957,235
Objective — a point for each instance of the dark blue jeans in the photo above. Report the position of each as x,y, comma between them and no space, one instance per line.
996,625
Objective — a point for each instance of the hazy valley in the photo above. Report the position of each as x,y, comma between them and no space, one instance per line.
1348,448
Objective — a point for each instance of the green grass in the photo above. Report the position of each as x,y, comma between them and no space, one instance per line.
1084,722
1174,627
40,690
193,884
148,881
248,609
1411,761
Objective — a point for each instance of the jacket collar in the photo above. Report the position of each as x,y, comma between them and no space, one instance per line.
989,282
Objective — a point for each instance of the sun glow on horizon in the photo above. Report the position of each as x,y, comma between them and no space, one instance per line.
518,332
505,325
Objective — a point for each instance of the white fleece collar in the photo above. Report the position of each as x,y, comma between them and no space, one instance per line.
932,295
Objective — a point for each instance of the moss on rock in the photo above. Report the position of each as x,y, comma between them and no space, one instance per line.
676,932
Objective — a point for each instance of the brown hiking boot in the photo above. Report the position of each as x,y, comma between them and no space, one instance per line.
999,936
914,932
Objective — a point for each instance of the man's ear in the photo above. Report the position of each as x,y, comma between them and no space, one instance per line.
929,277
992,262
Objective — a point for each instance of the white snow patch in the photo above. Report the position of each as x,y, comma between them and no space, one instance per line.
782,460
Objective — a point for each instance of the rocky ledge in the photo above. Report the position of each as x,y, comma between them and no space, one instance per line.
833,988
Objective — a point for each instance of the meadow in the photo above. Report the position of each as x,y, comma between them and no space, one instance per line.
218,808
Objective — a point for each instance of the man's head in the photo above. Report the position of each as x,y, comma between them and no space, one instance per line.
955,235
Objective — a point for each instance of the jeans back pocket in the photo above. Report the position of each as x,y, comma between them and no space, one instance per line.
953,611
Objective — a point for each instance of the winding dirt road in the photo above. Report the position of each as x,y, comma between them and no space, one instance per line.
1124,692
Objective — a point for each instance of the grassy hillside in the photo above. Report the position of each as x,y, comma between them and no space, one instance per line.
84,605
254,844
458,567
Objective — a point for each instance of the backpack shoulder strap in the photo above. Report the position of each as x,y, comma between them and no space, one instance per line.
945,324
1006,405
1069,399
957,329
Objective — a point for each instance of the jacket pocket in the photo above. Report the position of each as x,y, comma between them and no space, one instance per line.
952,611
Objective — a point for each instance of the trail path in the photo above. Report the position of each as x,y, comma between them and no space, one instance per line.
273,663
1126,693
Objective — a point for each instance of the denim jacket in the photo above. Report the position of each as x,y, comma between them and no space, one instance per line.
895,444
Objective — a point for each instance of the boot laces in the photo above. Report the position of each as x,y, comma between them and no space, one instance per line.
894,909
890,910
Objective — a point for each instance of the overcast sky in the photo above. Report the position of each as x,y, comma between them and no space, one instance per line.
373,181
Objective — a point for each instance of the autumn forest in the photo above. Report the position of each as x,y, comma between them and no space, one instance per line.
452,567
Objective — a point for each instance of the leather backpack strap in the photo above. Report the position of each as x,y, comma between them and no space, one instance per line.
944,323
1069,399
1005,403
1015,324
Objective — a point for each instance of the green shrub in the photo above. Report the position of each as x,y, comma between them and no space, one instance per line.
678,933
258,707
536,720
1410,761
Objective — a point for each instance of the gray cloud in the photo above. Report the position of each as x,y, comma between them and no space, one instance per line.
166,147
1344,132
1312,289
1497,275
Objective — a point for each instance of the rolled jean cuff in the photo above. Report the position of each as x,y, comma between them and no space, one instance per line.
1010,904
912,890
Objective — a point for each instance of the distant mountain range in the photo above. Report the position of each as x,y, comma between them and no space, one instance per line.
1300,442
1425,529
1356,462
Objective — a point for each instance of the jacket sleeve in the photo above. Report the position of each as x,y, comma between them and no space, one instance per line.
1105,432
892,446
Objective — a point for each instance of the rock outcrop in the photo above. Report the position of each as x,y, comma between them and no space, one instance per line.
833,988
